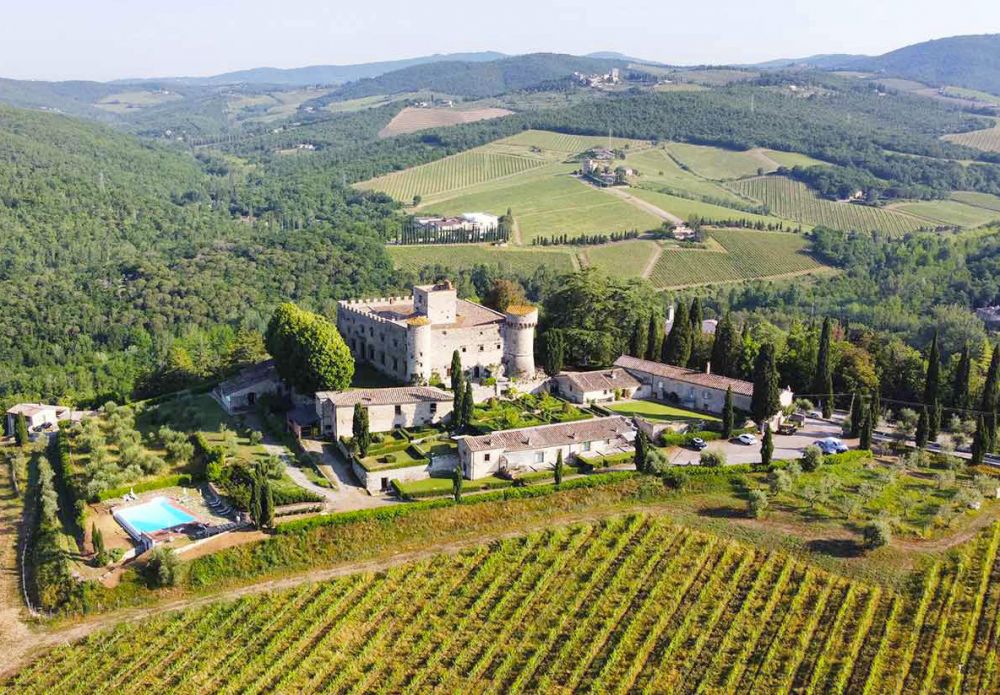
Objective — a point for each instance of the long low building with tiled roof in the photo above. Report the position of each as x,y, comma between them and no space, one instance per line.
389,408
536,448
691,388
597,386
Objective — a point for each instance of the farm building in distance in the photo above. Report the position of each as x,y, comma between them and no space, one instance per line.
536,448
411,339
388,408
37,416
466,222
242,391
596,387
690,388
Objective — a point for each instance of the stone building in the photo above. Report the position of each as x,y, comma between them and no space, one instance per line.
596,387
411,339
537,448
406,406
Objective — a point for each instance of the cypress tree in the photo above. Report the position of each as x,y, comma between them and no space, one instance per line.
923,428
467,404
457,375
766,447
266,502
828,401
696,315
724,346
867,428
641,446
961,379
822,381
555,346
21,430
654,339
559,468
979,443
640,337
988,401
362,435
728,416
933,376
677,347
458,410
256,502
857,413
765,401
936,416
456,483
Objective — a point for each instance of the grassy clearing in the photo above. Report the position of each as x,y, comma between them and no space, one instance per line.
794,201
624,259
720,164
411,120
748,255
950,212
659,412
630,604
519,260
658,170
987,139
979,200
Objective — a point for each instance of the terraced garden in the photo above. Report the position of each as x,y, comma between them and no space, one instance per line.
632,604
748,255
520,260
793,200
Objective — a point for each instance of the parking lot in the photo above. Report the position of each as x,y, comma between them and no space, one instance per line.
785,446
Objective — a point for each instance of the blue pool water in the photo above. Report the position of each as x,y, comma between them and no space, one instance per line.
153,515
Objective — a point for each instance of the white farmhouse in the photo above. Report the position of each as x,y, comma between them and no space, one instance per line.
37,416
536,448
596,387
408,406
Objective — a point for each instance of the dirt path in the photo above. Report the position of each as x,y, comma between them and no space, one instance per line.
515,237
13,630
651,263
641,204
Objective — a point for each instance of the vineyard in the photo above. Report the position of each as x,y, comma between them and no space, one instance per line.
522,261
979,200
548,141
686,208
748,255
451,174
950,212
718,163
794,201
987,139
632,604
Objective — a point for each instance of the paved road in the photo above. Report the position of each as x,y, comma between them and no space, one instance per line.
785,446
349,494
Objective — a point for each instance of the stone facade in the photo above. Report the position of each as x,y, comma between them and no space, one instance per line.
412,406
411,339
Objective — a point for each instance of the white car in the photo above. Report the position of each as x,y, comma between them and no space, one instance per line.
831,445
747,439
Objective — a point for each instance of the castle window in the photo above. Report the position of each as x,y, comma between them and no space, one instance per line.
486,456
481,348
434,408
463,348
399,410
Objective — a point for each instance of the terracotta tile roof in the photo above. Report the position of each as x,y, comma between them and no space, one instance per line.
603,380
389,396
687,376
30,409
543,436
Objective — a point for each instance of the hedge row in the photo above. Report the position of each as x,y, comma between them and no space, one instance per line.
146,486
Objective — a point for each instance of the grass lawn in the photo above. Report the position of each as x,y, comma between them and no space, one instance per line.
660,412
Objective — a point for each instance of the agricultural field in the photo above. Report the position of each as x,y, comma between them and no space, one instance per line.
411,120
979,200
748,255
562,144
793,200
630,604
624,259
949,212
127,102
656,169
720,164
519,260
987,139
685,208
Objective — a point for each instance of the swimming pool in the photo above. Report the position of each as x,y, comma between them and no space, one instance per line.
154,515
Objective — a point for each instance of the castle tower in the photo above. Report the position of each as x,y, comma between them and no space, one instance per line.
519,340
418,349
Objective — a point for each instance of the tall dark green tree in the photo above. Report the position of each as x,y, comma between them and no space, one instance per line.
457,373
766,391
654,340
21,436
857,414
558,470
979,442
641,451
822,377
728,414
555,350
696,315
725,346
961,380
867,428
923,428
456,483
932,390
308,351
467,406
677,347
458,410
359,429
766,446
638,343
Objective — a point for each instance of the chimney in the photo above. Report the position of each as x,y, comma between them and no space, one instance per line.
708,367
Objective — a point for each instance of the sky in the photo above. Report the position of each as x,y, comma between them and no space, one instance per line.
111,39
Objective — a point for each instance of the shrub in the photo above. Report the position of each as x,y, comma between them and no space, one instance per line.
256,437
161,568
779,480
757,503
877,534
713,459
675,478
812,457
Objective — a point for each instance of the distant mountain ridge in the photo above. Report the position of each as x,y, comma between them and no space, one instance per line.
323,74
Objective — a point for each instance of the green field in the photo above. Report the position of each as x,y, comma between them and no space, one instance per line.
794,201
979,200
520,260
657,170
721,164
792,159
631,604
659,412
686,208
624,259
553,203
748,255
562,145
987,139
950,212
